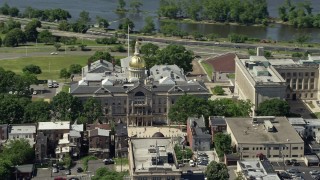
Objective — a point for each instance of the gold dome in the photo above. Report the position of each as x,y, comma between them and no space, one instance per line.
136,61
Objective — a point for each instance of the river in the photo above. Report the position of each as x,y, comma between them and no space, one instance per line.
105,9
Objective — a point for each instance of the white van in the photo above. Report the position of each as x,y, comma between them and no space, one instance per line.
50,84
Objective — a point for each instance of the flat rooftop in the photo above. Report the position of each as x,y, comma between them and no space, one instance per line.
281,62
143,158
245,131
257,66
23,129
297,121
258,169
54,125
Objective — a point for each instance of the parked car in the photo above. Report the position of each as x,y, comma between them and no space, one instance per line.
67,172
79,170
108,161
295,164
74,178
54,53
61,168
287,162
34,92
60,178
284,175
189,172
191,163
55,170
315,172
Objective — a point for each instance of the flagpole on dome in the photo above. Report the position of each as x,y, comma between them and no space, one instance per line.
128,41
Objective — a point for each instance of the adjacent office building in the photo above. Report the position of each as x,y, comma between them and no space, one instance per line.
271,136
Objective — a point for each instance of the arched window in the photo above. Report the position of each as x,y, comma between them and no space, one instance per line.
139,93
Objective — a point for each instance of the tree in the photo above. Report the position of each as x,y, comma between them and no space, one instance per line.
237,38
18,152
33,69
75,69
302,38
121,5
67,161
45,36
149,26
31,30
14,37
187,106
229,107
5,9
11,109
176,54
92,110
37,111
100,55
124,25
182,153
64,25
103,23
218,90
149,52
0,42
217,171
135,5
222,144
57,46
13,12
66,107
64,73
273,107
84,17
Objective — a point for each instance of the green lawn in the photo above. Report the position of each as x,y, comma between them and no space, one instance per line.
50,65
65,88
208,68
231,76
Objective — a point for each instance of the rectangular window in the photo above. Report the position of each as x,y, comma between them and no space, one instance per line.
305,95
294,74
246,156
306,74
275,148
300,80
312,73
311,80
165,110
300,74
305,86
275,155
159,110
295,148
311,95
245,148
288,74
295,156
311,86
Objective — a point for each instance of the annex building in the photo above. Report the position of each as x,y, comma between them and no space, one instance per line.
274,137
258,78
133,94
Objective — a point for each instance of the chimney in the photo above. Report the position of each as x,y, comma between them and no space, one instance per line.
260,51
101,61
89,65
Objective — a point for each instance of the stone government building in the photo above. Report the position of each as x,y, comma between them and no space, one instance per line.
133,94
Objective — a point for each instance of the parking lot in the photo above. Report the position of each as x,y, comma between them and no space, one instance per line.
280,166
93,165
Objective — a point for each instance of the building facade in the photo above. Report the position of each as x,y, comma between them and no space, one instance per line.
271,136
133,94
25,131
198,136
217,124
259,79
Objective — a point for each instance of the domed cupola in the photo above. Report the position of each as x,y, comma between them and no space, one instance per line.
137,66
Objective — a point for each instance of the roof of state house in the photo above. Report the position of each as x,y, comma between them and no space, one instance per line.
163,78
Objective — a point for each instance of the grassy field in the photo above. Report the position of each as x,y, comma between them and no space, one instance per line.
50,65
208,68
